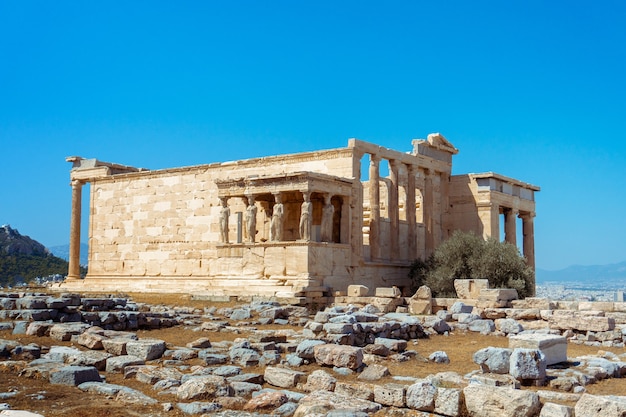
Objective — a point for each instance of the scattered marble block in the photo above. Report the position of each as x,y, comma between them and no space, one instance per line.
497,294
357,291
554,347
469,288
389,292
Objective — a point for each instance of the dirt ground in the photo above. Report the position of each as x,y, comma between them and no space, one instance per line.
57,400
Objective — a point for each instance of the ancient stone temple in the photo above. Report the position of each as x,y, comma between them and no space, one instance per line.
299,227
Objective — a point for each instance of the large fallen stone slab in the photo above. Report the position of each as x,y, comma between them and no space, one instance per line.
282,377
204,387
65,331
486,401
339,355
323,402
554,347
146,349
116,364
74,375
600,406
580,320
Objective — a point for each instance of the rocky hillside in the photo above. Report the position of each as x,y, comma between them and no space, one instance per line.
22,259
13,243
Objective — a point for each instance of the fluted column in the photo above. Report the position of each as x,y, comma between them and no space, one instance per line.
428,202
510,232
356,211
74,259
410,212
528,228
374,177
394,215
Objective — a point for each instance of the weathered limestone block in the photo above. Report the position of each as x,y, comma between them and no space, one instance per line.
482,326
282,377
146,349
556,410
497,294
390,394
116,364
394,345
493,360
523,313
321,402
469,288
90,358
423,293
596,306
553,347
449,402
373,372
600,406
38,328
65,331
420,307
388,292
339,355
305,348
534,303
115,346
91,339
460,308
421,396
581,320
362,391
266,401
527,364
357,291
486,401
74,375
508,326
204,387
320,380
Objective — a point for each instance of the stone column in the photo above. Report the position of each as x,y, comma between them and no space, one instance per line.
410,212
355,224
74,259
510,232
427,203
393,207
489,215
374,174
528,229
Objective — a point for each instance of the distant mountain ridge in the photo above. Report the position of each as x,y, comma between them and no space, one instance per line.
13,243
584,273
23,259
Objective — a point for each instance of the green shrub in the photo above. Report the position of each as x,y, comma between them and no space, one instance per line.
466,256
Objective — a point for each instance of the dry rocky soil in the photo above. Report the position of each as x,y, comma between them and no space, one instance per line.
39,396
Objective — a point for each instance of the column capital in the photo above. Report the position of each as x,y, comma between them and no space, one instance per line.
527,215
374,158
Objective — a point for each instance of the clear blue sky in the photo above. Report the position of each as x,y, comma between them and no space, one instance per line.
535,90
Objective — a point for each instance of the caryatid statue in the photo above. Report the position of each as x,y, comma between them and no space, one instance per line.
251,219
327,220
224,215
276,224
306,214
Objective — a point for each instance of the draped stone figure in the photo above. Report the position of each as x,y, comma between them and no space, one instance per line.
224,215
327,220
306,213
251,219
276,224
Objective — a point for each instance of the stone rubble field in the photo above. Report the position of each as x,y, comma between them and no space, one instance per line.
335,362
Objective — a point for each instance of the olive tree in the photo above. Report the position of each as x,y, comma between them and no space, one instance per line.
465,255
